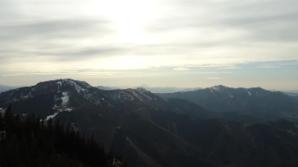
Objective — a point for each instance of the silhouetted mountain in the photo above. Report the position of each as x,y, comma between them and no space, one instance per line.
136,112
292,93
252,101
153,89
168,89
106,88
150,131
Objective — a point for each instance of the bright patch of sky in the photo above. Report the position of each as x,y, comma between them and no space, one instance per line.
180,43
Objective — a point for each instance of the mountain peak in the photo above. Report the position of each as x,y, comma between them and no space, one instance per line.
218,88
64,81
141,89
258,89
222,88
79,86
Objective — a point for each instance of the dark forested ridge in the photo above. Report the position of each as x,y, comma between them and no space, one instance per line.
233,128
256,102
25,141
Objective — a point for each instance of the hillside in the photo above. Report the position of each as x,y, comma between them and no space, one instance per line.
244,101
161,130
27,142
102,112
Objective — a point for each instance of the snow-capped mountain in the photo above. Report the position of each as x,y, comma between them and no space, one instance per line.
66,95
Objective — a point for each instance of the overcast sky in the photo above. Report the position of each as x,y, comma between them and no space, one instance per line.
175,43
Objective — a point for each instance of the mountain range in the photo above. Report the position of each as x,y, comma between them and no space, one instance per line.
217,126
245,101
292,93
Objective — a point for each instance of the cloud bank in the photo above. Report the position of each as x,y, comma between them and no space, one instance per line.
50,37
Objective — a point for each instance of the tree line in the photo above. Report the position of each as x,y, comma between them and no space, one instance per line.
27,141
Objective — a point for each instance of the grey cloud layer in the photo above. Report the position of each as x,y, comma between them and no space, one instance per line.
188,29
260,21
56,29
255,21
52,38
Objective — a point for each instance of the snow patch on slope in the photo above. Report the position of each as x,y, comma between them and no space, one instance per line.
81,88
216,89
27,96
64,100
62,107
52,116
2,111
59,85
78,87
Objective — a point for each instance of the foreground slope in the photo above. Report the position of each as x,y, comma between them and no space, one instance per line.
27,142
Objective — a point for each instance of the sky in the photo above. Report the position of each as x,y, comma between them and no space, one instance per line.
159,43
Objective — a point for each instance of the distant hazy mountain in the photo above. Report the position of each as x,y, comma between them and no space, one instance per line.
106,88
241,100
4,88
153,89
292,93
168,89
173,130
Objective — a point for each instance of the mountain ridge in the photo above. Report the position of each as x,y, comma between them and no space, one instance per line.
250,100
148,129
101,112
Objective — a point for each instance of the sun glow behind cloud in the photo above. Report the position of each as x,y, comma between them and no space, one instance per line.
104,38
129,19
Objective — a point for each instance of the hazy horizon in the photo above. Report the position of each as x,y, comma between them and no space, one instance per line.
154,89
158,43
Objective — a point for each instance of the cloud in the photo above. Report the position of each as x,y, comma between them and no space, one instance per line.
73,54
57,39
259,21
213,29
214,78
271,65
169,37
49,29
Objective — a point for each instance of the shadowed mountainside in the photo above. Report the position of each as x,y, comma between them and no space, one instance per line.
148,130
